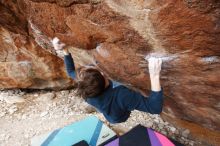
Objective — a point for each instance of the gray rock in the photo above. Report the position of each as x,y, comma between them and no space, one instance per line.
186,132
36,95
149,124
7,137
160,126
66,110
173,129
43,114
89,109
71,114
156,120
64,93
177,132
54,104
12,109
48,108
166,123
24,116
26,135
48,97
2,137
13,99
2,96
164,132
191,143
2,114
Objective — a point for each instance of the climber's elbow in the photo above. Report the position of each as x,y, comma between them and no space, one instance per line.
156,110
156,102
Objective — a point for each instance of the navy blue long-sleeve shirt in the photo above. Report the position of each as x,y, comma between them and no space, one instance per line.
117,102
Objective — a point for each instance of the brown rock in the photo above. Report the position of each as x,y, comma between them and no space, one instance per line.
28,65
111,34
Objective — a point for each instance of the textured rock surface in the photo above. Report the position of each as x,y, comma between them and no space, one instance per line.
186,34
23,63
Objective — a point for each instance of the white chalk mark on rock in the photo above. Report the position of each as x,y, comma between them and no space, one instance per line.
164,57
167,57
210,59
43,114
103,52
24,63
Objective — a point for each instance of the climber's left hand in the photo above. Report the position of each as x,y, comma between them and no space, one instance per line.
57,44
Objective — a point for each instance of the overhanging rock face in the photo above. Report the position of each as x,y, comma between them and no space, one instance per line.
23,63
112,34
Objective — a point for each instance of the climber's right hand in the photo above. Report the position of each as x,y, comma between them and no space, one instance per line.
154,65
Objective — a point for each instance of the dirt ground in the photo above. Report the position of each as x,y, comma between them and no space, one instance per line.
24,115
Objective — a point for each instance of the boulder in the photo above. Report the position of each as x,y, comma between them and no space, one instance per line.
114,34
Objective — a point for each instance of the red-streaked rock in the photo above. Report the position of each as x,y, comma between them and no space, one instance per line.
112,34
26,65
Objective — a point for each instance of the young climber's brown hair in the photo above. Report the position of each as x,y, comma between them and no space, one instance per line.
89,83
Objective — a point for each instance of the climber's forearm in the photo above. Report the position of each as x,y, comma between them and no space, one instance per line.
69,64
66,51
68,60
155,83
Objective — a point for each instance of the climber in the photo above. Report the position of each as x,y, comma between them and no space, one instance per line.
116,103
